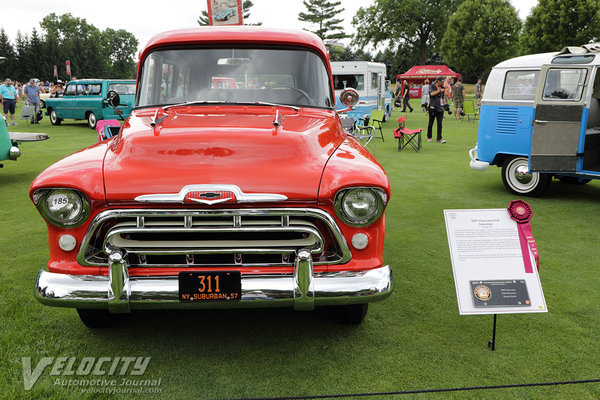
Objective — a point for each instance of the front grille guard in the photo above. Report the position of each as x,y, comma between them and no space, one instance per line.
189,216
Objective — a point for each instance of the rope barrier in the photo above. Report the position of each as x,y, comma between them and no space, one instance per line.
468,388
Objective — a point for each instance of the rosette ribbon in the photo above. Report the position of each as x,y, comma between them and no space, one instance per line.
521,213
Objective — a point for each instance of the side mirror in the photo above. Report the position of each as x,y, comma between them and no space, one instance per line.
114,100
349,97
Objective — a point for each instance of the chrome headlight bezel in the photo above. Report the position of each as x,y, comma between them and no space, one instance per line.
341,196
40,198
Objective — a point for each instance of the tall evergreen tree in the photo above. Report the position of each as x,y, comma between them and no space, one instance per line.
554,24
246,5
322,13
21,48
7,68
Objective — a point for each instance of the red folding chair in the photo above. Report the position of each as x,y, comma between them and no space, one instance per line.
407,136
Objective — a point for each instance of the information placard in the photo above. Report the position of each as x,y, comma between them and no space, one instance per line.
488,264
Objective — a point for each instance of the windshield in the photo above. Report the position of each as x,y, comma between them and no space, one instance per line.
234,76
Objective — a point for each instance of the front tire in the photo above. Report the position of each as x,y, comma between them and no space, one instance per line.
352,314
518,180
96,318
91,119
54,120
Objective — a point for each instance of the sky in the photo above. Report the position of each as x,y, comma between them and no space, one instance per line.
147,18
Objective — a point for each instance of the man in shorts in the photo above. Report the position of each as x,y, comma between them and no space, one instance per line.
8,96
458,98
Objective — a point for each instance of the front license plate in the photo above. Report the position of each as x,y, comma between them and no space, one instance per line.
210,286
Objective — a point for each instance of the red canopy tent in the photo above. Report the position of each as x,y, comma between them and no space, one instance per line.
418,73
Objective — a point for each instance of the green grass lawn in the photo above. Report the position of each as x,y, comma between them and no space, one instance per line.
413,340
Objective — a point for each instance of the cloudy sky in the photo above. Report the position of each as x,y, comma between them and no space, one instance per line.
148,17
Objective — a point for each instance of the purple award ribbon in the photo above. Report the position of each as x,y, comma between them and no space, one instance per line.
521,213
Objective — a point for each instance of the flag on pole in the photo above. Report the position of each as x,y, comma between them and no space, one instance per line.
55,72
68,68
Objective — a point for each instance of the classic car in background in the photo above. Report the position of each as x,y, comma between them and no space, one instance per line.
215,196
9,141
86,99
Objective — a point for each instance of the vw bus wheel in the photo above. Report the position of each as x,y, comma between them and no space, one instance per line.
54,120
92,120
518,180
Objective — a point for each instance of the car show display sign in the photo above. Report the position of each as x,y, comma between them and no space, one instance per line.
494,259
225,12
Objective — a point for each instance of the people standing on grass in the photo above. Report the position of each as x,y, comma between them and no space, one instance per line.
447,94
458,98
406,97
8,97
32,94
425,95
436,109
478,93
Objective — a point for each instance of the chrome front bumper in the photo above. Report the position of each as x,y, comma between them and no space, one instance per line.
476,164
303,290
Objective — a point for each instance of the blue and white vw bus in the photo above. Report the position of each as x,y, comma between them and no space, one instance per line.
540,118
368,79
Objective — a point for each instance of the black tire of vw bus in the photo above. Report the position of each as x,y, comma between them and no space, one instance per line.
518,181
96,318
54,120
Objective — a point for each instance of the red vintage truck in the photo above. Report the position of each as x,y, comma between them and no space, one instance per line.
212,196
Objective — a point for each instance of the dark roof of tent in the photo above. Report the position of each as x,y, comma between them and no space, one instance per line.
428,71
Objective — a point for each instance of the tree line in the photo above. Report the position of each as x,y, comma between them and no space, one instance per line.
471,36
92,53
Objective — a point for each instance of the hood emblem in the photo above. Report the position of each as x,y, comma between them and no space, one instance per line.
211,194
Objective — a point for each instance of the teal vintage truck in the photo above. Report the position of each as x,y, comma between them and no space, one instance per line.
87,99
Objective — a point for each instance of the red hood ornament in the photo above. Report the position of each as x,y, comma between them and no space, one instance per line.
211,194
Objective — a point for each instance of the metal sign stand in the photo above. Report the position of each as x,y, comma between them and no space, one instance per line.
492,343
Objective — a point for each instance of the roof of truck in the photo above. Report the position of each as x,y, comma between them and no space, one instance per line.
236,35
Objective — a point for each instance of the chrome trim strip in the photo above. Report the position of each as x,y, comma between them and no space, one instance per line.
266,212
331,288
109,246
240,196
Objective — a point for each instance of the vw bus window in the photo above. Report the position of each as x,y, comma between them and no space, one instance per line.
520,85
564,84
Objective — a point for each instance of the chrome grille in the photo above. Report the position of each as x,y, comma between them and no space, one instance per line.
188,238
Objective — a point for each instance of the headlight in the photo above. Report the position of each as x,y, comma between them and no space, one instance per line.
360,206
65,208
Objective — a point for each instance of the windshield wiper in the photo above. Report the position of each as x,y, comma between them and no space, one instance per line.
264,103
193,103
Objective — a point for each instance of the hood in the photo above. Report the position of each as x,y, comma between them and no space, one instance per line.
219,146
